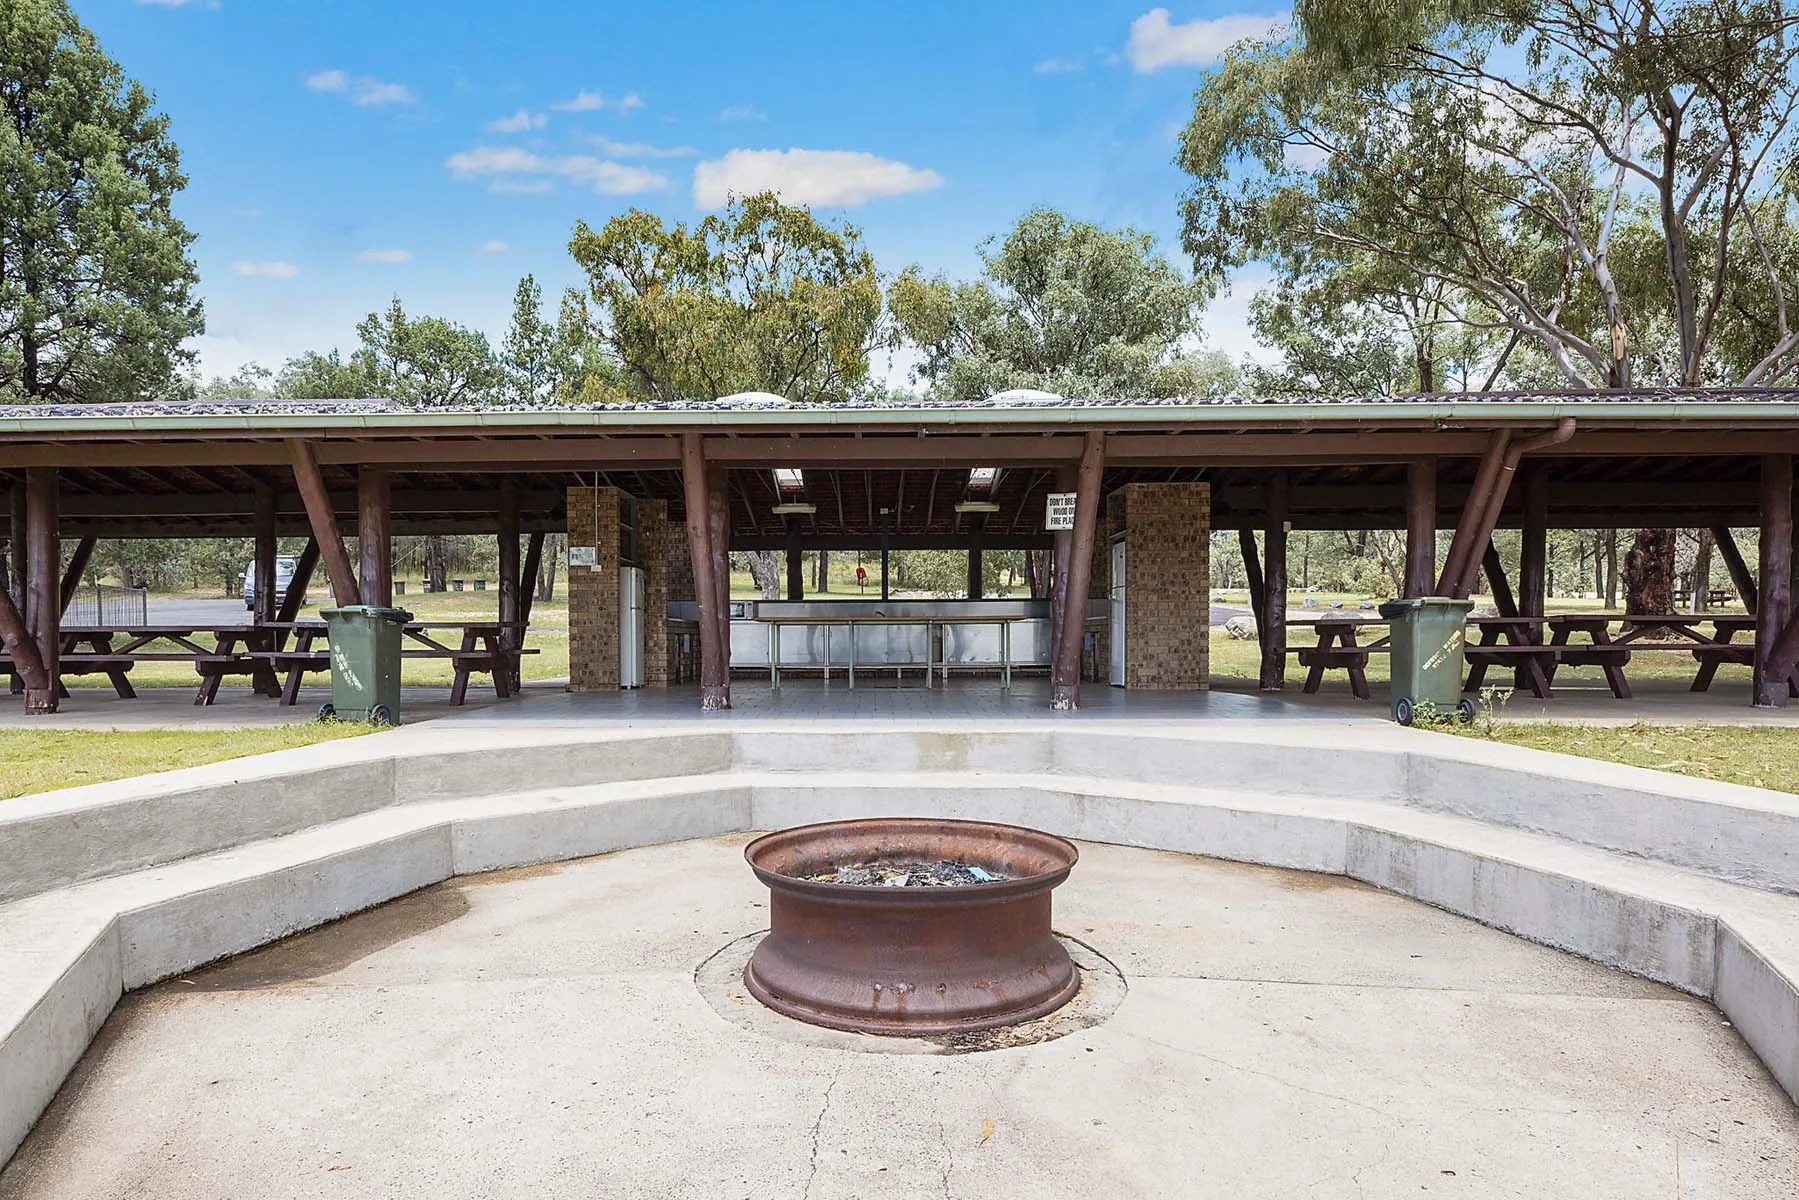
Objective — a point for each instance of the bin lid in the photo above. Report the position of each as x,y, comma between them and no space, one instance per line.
372,611
1410,604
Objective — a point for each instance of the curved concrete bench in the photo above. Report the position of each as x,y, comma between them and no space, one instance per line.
164,874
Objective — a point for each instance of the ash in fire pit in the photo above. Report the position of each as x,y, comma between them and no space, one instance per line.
942,873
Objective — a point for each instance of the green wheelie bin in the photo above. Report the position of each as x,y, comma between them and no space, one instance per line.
365,662
1428,633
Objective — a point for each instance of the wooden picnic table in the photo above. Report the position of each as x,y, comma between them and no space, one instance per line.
1338,648
481,651
1537,647
1666,631
89,650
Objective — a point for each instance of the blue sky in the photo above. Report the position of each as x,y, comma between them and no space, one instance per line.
341,152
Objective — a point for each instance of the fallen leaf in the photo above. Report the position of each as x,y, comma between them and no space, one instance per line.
986,1132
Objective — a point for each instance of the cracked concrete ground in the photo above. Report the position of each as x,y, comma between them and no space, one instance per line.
539,1032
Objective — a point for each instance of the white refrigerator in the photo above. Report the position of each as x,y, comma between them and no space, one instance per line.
1115,636
630,627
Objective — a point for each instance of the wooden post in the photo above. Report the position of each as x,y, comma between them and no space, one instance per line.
1503,599
1420,527
1740,575
718,536
715,668
324,523
1065,674
263,577
43,586
527,593
295,599
1252,574
510,580
72,573
15,544
1067,480
1272,620
34,681
374,536
15,556
1533,559
1463,547
1774,610
796,559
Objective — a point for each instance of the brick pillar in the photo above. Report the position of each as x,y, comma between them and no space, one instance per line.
652,549
593,515
1167,530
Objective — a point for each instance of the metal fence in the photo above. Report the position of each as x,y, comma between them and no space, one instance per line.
104,604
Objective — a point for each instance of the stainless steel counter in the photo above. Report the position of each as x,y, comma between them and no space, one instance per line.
804,645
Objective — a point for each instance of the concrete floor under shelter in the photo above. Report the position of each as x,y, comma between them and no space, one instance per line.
541,1032
1580,701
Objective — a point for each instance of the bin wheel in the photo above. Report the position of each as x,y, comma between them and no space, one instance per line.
1402,711
327,711
1464,709
381,715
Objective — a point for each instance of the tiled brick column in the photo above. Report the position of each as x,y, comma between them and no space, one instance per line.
593,593
1167,531
652,547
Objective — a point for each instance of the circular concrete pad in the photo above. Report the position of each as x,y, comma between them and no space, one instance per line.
720,980
539,1032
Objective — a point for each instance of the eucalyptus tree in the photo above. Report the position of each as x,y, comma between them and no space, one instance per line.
95,280
762,296
1498,149
1064,306
426,361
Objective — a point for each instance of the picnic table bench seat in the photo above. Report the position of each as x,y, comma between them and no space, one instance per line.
298,663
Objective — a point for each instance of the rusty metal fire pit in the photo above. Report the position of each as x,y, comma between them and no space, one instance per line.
911,961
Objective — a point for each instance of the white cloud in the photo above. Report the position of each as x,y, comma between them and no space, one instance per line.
1304,156
613,149
584,101
1156,42
741,112
384,256
1056,66
829,177
512,169
495,246
363,91
267,269
519,122
629,102
1227,317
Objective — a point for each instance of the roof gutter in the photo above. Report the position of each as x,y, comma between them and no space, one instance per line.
1457,414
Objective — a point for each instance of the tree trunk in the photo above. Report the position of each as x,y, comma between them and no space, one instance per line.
546,570
1608,549
821,576
767,568
1702,571
1649,572
437,563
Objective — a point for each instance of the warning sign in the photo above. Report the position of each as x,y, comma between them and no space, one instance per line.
1061,511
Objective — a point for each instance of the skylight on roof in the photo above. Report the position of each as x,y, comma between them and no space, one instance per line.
982,479
789,479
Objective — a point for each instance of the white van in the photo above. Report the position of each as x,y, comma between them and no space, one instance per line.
284,576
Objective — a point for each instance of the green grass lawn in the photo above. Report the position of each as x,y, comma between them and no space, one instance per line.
41,760
1763,757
